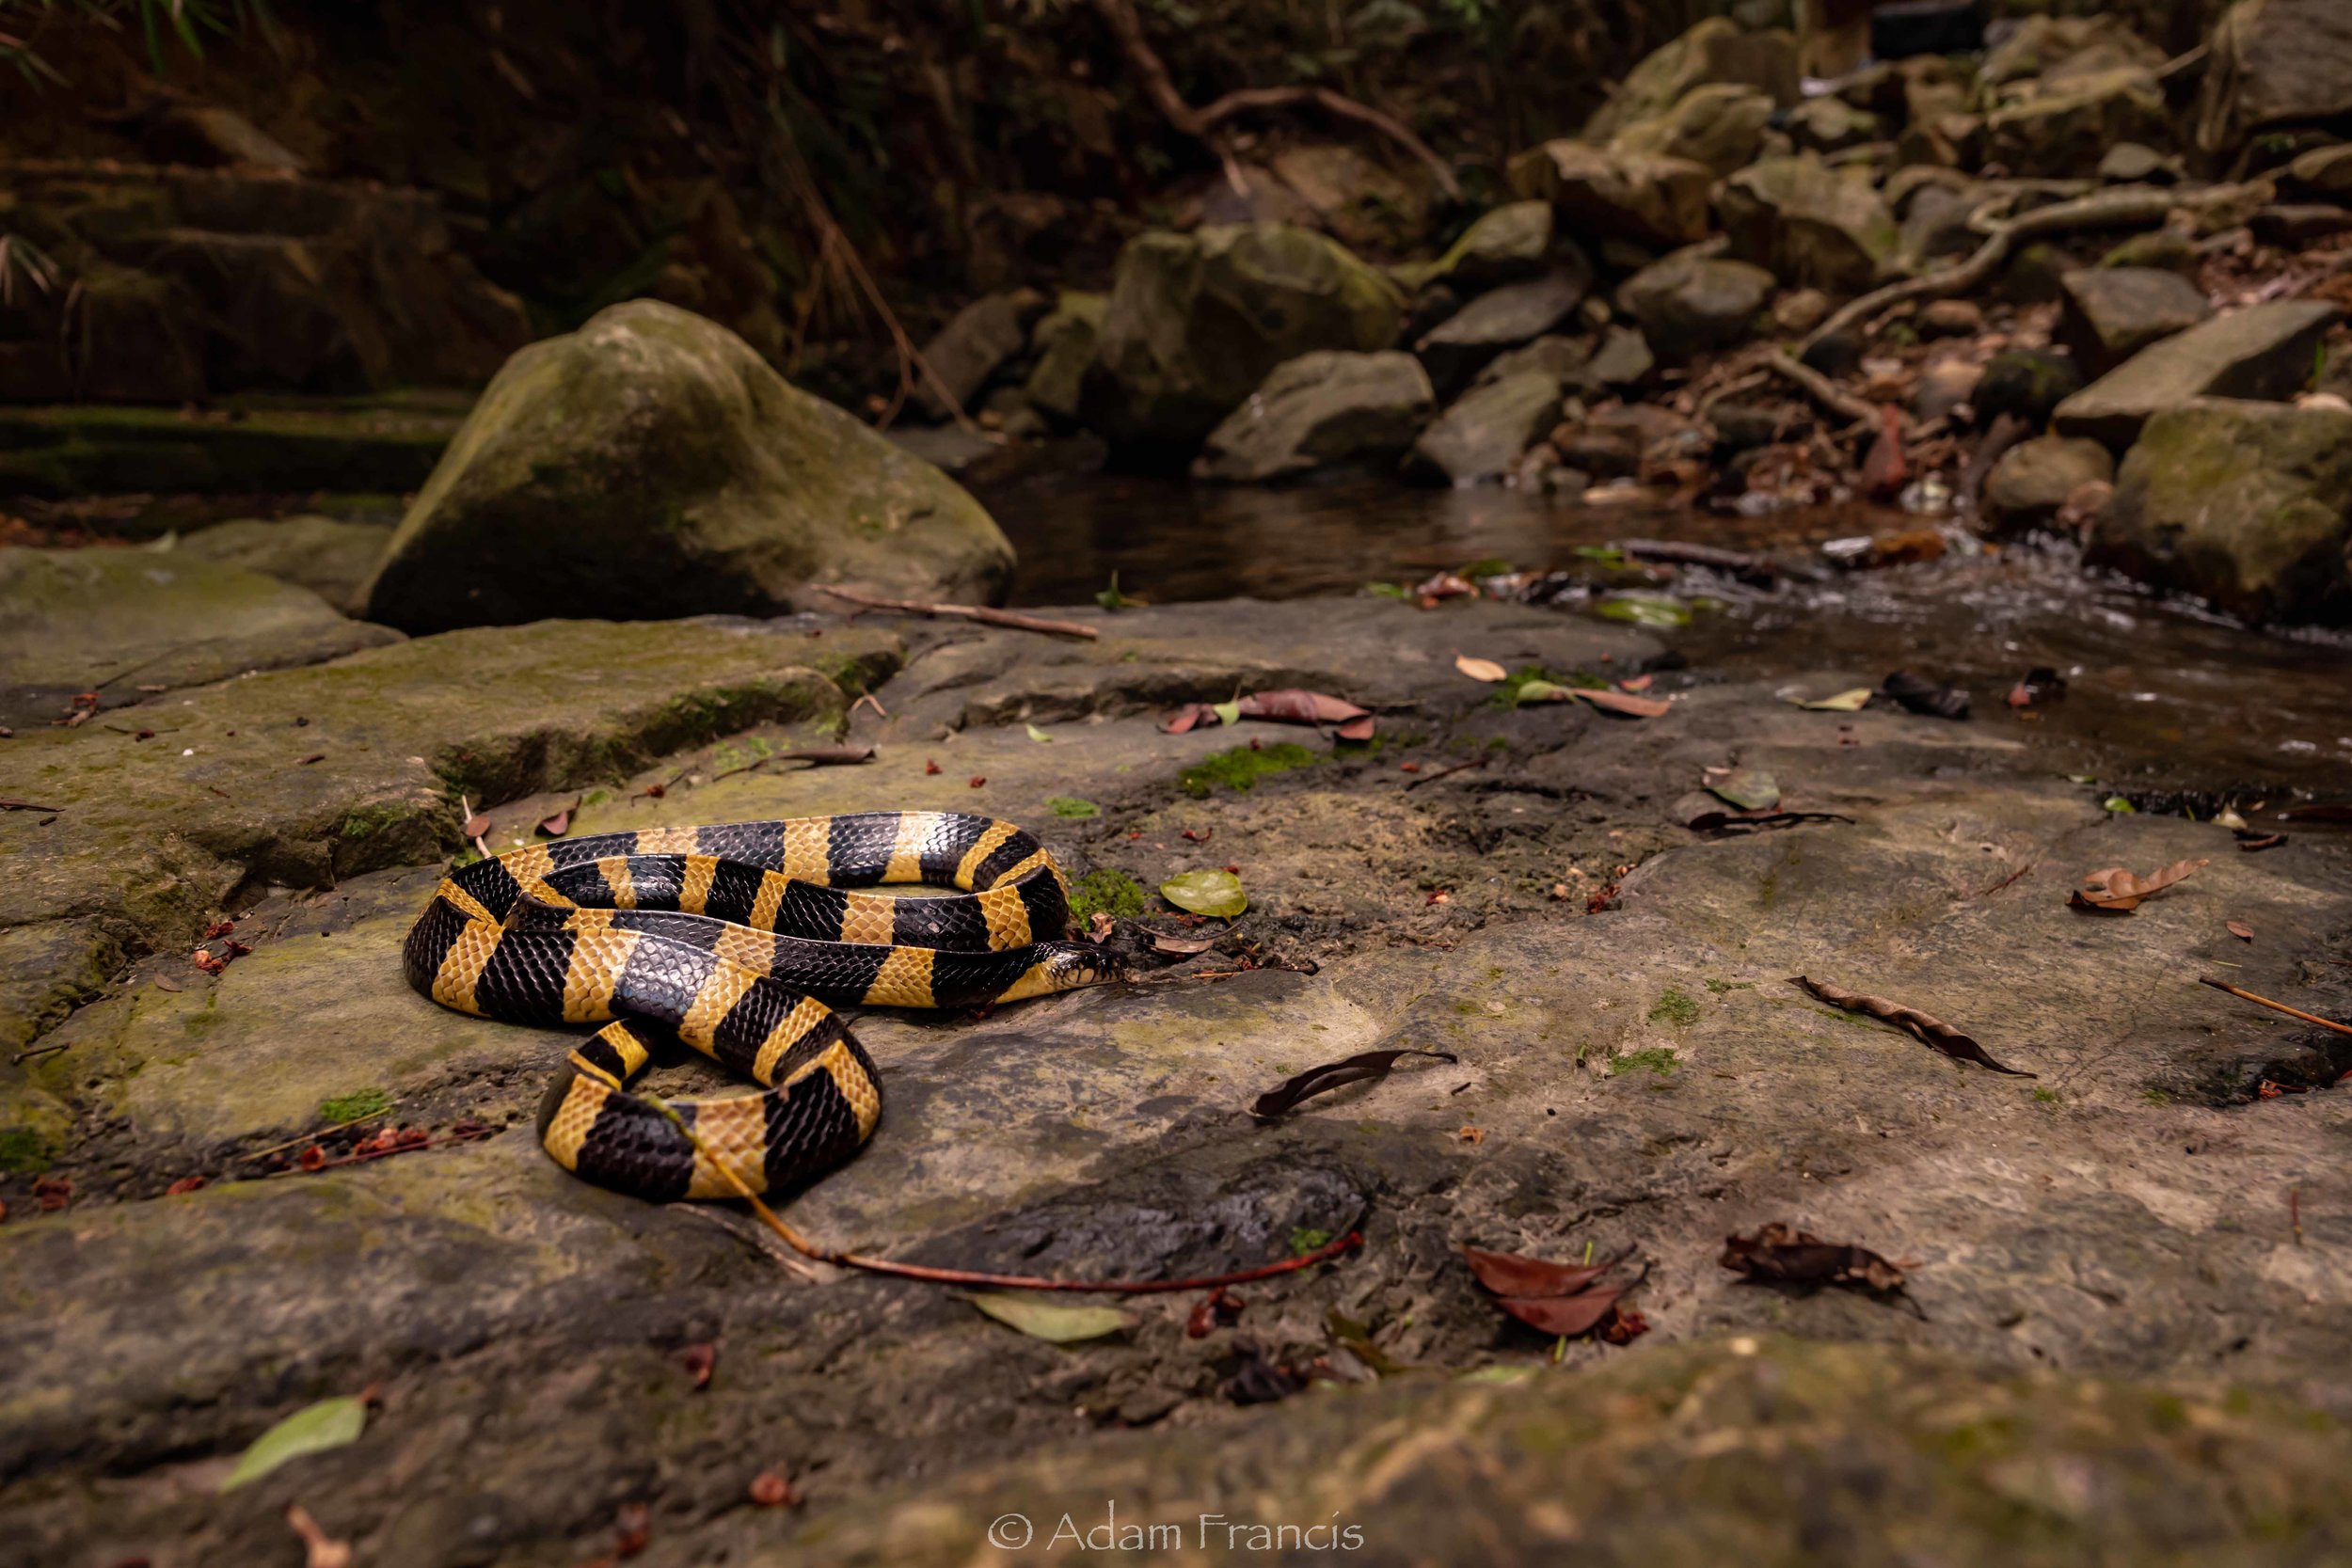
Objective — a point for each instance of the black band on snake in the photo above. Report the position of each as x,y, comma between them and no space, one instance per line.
742,939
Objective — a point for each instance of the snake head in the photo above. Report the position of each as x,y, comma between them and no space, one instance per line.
1062,966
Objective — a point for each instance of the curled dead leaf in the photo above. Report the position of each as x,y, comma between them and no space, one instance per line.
1559,1299
1783,1255
1933,1031
1625,702
2116,891
1480,669
1368,1066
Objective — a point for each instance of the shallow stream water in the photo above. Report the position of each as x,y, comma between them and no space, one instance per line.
2162,695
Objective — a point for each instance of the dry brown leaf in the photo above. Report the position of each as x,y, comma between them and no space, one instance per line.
2241,931
1624,701
1781,1254
1480,669
1934,1031
2116,891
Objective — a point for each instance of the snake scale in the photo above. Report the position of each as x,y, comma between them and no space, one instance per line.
742,937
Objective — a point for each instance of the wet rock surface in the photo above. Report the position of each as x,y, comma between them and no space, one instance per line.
2107,1281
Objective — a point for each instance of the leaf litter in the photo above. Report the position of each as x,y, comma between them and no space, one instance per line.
1780,1254
1287,706
2116,891
1559,1299
1931,1030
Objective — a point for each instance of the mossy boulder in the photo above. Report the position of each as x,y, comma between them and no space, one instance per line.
331,558
129,624
1317,411
2247,504
1609,193
2063,130
1716,51
1196,322
1720,124
1691,304
1811,224
652,464
1063,343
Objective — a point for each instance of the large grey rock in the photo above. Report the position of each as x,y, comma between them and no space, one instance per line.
1606,193
1623,359
2247,505
2324,171
1720,124
1504,318
1196,322
113,621
1689,304
2065,129
2111,313
331,558
651,464
1488,429
2263,351
2031,482
1812,226
2052,51
1716,51
976,342
1063,341
1567,358
1317,411
2275,62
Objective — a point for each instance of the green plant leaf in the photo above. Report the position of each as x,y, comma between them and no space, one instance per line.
1060,1322
314,1429
1227,713
1038,736
2122,807
1543,691
1644,610
1844,701
1211,892
1749,788
1071,806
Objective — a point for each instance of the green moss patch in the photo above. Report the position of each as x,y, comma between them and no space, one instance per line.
23,1151
1071,807
1675,1007
1657,1059
356,1106
1112,893
1242,767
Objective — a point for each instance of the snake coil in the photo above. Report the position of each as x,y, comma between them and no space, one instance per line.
742,937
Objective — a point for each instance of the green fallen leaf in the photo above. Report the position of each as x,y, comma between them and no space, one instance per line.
1212,893
1389,590
1542,691
2122,807
1111,598
1749,788
1061,1322
1071,806
1644,610
1844,701
1227,713
314,1429
1038,736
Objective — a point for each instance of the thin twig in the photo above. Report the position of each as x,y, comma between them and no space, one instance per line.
965,612
2275,1006
807,1248
1825,391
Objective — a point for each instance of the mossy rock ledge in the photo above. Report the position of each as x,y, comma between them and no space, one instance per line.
650,466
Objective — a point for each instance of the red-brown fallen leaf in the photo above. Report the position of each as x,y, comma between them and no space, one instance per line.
561,823
1409,767
1181,947
53,1192
185,1184
1200,835
930,766
1624,1326
1933,1031
1287,706
1219,1308
1356,729
654,790
313,1157
1445,585
698,1360
2241,931
1636,683
478,825
2116,891
1625,702
204,960
1884,470
631,1529
1782,1254
1567,1316
1232,871
314,757
2263,841
977,780
1512,1273
1442,897
220,928
3,1213
771,1490
1473,1134
1602,900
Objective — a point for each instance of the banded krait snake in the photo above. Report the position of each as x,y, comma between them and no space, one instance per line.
742,937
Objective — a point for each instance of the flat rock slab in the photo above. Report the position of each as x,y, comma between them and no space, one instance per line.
330,557
1629,1069
2111,313
2264,352
133,623
84,448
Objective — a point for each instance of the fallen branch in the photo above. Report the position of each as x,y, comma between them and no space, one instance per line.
965,612
2275,1006
26,805
1205,125
1755,569
2131,208
1822,389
